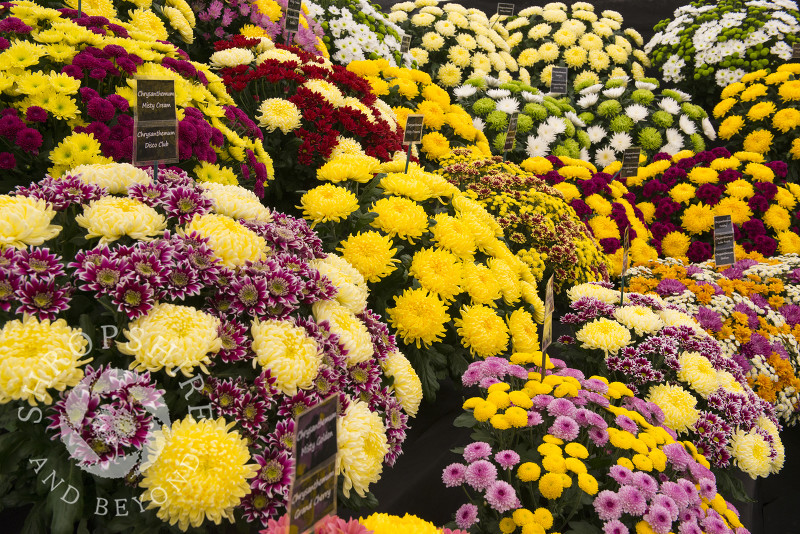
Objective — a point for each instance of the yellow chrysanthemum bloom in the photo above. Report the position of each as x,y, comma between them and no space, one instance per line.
697,219
528,472
407,185
551,486
173,338
117,177
328,202
524,335
326,90
231,242
278,113
435,145
25,221
406,383
110,218
352,332
378,523
480,284
419,317
675,245
197,470
739,210
438,271
371,254
703,175
696,370
677,404
235,202
400,217
358,168
759,141
640,319
609,296
291,355
730,126
361,437
39,355
604,334
760,111
452,233
482,331
683,193
777,218
751,453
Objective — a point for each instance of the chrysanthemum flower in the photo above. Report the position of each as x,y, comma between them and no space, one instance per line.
400,217
353,334
172,337
675,245
235,202
110,218
452,234
677,404
371,254
604,334
438,271
328,202
231,242
25,221
696,370
197,470
278,113
361,437
751,453
482,331
406,383
351,288
640,319
358,168
116,177
419,317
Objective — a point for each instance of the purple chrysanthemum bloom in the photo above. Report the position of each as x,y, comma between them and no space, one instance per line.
251,412
480,474
249,295
534,418
659,519
621,474
42,298
501,496
284,435
708,488
453,475
709,319
608,505
566,340
183,203
669,287
298,403
9,284
564,428
182,281
35,114
507,458
561,407
364,377
38,263
626,423
151,194
466,515
615,526
132,298
791,312
104,276
274,473
63,192
646,483
633,502
235,345
599,436
478,450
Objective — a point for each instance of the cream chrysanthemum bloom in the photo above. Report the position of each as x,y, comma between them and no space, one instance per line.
232,57
116,177
110,218
25,221
640,319
278,113
696,370
406,384
361,436
197,470
609,296
173,338
677,404
351,288
751,453
231,242
604,334
777,444
677,318
36,356
235,202
286,349
326,90
353,334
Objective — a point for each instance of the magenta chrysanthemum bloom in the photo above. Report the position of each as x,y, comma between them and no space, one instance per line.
151,194
677,455
38,263
183,203
298,403
182,281
501,496
275,472
478,450
42,298
626,423
599,436
608,505
224,394
621,474
258,506
453,475
283,437
562,406
63,192
633,502
646,483
668,504
534,418
100,109
133,298
708,488
251,412
234,341
659,519
29,140
690,527
364,377
104,276
615,526
564,428
480,474
507,459
714,525
35,114
249,295
467,515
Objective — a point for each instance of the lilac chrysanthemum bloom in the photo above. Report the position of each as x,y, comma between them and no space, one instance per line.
183,203
676,493
561,406
534,418
593,384
133,298
507,458
714,525
668,504
564,428
608,505
615,526
709,319
471,376
42,298
453,475
690,526
542,401
274,473
467,515
708,488
626,423
501,496
669,287
633,502
598,436
478,450
659,519
621,474
646,483
480,474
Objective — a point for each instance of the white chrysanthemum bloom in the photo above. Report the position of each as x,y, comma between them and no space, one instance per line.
464,91
636,112
116,177
353,334
232,57
265,43
687,125
614,92
351,289
584,154
235,201
478,123
605,157
592,89
708,128
645,85
508,105
596,133
407,385
670,105
491,81
574,119
498,93
537,147
640,319
620,141
674,137
532,97
362,446
546,133
557,123
588,100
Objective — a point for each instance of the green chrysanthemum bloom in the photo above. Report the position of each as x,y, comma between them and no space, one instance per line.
571,148
662,119
587,117
552,107
650,139
497,120
528,88
524,124
583,139
564,104
476,82
650,80
609,108
570,131
510,86
583,85
615,82
621,123
672,94
536,111
484,105
693,111
698,143
643,96
500,141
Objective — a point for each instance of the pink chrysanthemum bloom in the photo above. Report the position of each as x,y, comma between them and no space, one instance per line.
467,515
561,407
501,496
633,502
615,526
564,428
659,519
626,423
608,506
534,418
480,474
621,474
507,459
477,451
646,483
453,475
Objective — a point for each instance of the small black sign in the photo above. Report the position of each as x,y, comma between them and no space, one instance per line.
630,162
156,143
558,84
413,132
316,436
293,16
312,498
796,51
512,131
505,10
549,306
724,241
405,46
155,100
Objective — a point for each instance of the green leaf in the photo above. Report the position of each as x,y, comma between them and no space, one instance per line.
65,514
582,527
730,486
34,523
465,420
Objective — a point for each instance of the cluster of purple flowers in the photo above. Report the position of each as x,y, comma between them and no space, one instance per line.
35,282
